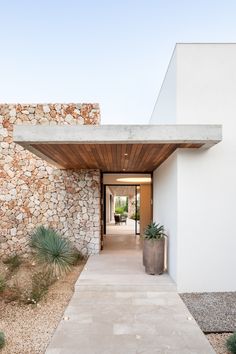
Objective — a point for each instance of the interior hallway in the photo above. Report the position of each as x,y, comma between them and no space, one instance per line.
118,309
121,229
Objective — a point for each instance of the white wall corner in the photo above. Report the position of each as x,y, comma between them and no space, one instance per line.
165,207
206,179
164,111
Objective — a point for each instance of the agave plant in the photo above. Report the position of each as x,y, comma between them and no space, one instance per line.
154,231
53,250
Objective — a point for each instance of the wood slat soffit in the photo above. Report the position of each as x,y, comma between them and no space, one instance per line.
136,148
110,157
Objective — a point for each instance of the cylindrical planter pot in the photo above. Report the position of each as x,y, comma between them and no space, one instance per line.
153,256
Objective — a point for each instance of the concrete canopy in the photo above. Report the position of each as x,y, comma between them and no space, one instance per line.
113,148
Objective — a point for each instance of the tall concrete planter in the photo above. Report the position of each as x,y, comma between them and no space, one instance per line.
154,249
153,256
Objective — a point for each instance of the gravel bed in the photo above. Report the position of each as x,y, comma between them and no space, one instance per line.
214,312
218,342
29,328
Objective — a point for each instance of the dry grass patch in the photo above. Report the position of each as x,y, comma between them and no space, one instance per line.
218,342
28,328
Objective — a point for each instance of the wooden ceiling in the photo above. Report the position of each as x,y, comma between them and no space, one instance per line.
110,157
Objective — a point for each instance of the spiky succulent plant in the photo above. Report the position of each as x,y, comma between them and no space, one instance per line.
53,250
154,231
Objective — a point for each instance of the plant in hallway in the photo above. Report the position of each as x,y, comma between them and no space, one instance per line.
231,343
135,216
119,210
154,231
53,250
121,205
154,248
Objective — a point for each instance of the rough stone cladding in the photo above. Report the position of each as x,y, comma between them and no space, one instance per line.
33,192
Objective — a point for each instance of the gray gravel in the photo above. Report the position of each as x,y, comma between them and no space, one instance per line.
214,312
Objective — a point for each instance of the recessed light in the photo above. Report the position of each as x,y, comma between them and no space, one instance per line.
126,154
134,179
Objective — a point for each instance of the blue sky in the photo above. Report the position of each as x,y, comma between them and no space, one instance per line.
112,52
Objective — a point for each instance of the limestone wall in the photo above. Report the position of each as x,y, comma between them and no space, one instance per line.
33,193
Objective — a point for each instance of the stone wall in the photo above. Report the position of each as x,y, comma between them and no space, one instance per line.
33,193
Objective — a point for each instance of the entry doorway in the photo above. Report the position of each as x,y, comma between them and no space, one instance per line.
126,205
122,209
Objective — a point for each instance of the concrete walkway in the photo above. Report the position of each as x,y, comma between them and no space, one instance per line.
118,309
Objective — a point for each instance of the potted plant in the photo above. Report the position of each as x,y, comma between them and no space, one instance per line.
154,248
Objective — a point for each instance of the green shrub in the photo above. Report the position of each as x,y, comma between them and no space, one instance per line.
13,262
53,250
40,284
2,284
231,343
2,340
120,210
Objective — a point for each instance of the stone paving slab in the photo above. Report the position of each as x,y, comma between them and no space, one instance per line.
118,309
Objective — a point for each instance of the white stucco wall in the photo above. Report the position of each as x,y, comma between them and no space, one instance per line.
205,180
206,93
165,207
164,111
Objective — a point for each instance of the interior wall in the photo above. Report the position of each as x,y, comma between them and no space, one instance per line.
145,206
112,207
131,204
165,207
108,205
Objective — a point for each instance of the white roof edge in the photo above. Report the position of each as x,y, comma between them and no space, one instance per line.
207,135
204,43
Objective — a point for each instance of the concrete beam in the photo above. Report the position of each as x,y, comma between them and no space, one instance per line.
207,135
